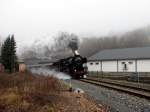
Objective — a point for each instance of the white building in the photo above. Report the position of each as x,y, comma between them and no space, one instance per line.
121,60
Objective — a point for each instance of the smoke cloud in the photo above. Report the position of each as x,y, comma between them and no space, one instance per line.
73,42
66,41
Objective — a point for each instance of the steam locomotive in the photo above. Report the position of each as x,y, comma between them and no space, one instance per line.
74,66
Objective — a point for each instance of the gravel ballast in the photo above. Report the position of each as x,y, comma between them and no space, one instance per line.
115,100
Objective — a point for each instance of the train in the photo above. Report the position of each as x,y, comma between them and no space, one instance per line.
75,66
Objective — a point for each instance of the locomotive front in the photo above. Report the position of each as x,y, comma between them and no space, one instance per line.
78,67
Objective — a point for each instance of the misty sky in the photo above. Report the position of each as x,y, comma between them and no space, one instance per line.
32,19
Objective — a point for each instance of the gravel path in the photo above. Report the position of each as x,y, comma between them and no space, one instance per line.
117,101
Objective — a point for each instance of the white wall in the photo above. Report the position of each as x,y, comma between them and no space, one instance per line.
109,66
143,65
130,65
94,66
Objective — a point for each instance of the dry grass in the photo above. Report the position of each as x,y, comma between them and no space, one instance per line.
27,92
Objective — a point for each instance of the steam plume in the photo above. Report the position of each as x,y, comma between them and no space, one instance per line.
47,71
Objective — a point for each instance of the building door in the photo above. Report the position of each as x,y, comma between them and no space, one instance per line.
124,67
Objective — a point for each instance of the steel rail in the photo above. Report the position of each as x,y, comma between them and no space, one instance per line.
123,88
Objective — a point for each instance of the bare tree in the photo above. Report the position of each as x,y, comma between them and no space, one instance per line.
64,42
63,45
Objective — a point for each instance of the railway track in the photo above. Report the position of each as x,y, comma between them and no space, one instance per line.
140,92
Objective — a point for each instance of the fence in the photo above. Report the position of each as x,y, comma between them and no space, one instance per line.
128,76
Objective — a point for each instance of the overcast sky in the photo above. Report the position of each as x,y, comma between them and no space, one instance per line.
32,19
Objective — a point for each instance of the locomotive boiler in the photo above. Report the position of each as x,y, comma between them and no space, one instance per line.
74,65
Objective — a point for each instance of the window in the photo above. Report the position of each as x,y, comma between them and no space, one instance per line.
96,63
91,63
123,62
130,62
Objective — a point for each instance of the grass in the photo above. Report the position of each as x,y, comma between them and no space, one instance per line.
26,92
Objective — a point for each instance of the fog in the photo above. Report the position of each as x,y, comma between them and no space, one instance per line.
30,20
